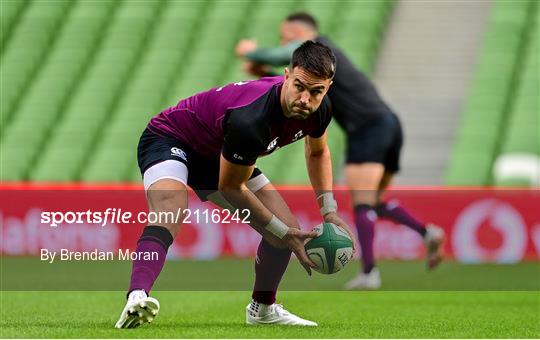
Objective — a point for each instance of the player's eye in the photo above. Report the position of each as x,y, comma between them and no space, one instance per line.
299,88
316,92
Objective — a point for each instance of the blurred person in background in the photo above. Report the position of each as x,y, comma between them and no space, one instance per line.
374,141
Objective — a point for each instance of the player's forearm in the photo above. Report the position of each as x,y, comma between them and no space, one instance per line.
319,167
261,219
243,198
320,174
276,56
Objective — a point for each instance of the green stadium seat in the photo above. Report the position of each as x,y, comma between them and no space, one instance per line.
28,45
225,11
14,159
512,12
62,163
99,70
9,13
183,10
497,118
133,173
275,9
97,93
109,165
469,169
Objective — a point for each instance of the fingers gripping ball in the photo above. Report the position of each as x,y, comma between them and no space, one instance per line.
331,250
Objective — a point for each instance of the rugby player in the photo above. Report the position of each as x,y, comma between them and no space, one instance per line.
210,142
374,140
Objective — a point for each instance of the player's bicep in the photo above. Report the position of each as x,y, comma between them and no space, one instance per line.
232,175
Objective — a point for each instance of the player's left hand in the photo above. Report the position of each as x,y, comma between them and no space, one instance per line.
334,218
245,46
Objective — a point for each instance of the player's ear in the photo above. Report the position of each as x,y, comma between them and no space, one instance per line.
328,87
286,73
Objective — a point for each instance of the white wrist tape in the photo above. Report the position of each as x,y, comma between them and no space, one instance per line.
277,228
329,203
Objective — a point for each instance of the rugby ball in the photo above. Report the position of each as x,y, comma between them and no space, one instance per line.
331,250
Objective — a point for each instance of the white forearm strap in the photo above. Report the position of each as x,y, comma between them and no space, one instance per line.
329,203
277,228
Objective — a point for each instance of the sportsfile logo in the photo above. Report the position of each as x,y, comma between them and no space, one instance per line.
120,216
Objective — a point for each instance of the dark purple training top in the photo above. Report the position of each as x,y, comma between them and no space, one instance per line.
242,120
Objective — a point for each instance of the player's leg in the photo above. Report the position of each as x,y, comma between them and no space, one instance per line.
362,181
394,211
366,154
164,196
270,263
391,209
166,192
433,235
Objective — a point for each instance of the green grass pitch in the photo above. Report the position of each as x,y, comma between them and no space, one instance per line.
451,308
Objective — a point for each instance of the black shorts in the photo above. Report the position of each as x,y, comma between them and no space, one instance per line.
203,171
377,142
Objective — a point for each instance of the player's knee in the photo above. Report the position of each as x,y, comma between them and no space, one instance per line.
165,198
167,201
365,197
167,193
386,180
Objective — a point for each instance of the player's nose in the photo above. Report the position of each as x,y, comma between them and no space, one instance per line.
304,98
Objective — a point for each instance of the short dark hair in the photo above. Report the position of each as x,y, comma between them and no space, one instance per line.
305,18
314,58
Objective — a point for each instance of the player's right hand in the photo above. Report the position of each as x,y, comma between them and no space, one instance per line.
295,240
335,219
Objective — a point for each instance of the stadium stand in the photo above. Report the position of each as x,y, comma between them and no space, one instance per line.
518,162
80,79
501,115
26,48
8,16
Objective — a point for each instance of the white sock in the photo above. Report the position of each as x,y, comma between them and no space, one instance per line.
259,308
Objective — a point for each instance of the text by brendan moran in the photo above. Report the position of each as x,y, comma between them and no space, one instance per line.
96,255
